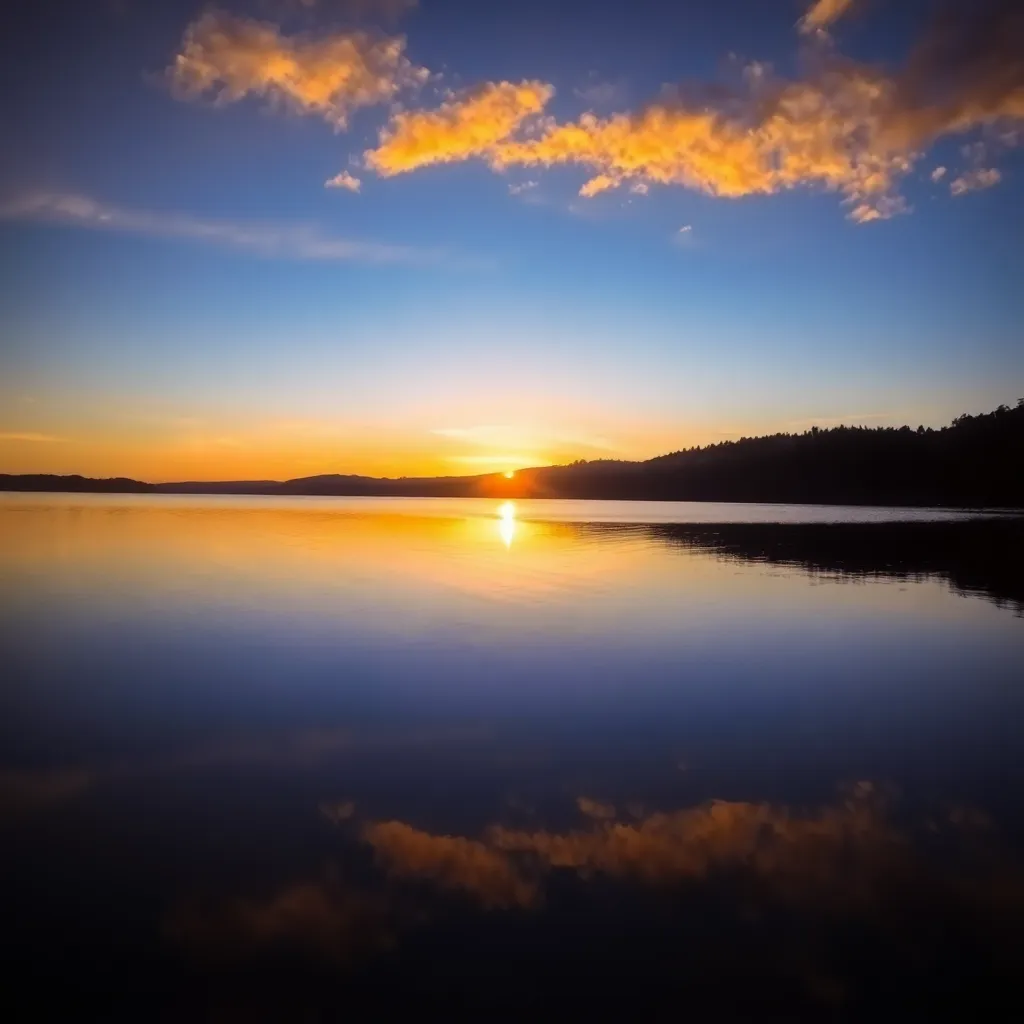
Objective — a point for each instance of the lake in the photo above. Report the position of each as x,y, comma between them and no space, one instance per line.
301,758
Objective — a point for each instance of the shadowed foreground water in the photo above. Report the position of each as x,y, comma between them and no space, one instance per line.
301,759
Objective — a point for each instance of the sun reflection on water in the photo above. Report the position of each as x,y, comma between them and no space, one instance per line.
507,522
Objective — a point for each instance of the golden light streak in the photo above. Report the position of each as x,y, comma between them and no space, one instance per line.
507,522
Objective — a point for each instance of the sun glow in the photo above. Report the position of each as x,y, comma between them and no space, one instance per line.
509,473
507,522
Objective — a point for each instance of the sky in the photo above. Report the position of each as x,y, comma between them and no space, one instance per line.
272,238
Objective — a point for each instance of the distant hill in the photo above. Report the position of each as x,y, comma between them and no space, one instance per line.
75,483
977,461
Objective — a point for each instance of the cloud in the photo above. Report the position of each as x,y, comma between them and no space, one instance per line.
30,437
601,94
594,808
690,843
833,852
298,242
685,229
843,127
879,208
599,183
451,862
521,187
822,14
232,57
938,174
773,137
324,918
975,180
344,180
639,188
852,861
470,125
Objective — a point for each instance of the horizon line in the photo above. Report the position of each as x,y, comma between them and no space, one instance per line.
504,474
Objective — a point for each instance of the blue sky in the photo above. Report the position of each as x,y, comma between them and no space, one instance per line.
183,297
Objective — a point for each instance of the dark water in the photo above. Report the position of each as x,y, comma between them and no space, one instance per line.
319,759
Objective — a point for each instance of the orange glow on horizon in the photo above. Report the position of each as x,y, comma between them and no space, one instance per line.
222,458
184,448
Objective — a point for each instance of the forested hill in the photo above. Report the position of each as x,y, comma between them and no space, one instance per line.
976,461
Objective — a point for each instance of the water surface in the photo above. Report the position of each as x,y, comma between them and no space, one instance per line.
260,755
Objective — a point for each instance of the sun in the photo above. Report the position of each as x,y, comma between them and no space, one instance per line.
509,473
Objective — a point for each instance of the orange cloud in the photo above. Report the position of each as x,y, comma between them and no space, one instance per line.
468,126
594,808
503,869
767,840
822,14
847,859
845,127
452,862
232,57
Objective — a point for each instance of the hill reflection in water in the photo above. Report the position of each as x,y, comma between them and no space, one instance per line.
982,557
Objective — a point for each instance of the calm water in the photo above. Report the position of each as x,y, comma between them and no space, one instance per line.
260,758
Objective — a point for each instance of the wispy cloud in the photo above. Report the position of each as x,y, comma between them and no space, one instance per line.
344,180
684,237
30,437
597,93
975,180
284,241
